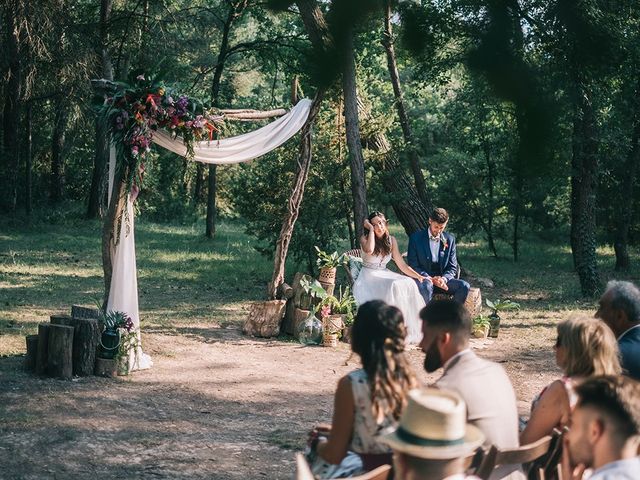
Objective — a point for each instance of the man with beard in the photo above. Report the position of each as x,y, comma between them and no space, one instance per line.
483,385
604,433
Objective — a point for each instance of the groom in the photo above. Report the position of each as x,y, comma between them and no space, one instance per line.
432,253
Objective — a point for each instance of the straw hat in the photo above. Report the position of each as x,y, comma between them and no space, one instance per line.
434,426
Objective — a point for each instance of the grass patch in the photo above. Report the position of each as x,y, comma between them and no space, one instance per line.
187,280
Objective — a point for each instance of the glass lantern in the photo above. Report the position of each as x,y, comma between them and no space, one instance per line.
310,331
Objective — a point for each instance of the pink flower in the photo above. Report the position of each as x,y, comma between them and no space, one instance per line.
325,311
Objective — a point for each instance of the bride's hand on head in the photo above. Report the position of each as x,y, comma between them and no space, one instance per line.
367,225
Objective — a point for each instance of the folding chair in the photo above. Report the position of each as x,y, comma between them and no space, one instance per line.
303,471
524,454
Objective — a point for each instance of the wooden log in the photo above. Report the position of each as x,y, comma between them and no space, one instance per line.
86,335
474,302
300,316
60,319
43,347
286,291
32,352
288,323
264,318
60,354
78,311
106,367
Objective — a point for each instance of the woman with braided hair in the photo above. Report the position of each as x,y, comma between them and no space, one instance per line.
368,400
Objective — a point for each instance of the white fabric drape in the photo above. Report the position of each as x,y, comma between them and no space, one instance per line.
242,147
123,294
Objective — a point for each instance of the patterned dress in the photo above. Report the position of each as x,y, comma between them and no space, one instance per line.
365,429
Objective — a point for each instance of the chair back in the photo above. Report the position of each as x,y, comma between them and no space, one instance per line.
352,274
524,454
303,471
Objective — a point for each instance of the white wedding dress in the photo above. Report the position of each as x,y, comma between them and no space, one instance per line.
376,282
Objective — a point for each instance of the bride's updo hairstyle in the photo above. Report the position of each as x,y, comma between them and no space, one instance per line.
382,245
378,336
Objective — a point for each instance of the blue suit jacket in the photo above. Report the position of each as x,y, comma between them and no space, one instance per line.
419,254
630,352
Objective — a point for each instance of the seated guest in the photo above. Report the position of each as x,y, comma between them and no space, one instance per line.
433,437
585,348
432,253
367,400
376,282
604,431
483,385
620,310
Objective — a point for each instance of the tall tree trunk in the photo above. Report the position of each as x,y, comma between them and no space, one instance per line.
392,66
297,193
12,104
406,203
630,170
352,128
101,136
584,165
57,146
411,212
211,202
235,10
28,154
197,190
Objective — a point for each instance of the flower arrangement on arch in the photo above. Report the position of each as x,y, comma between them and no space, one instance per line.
137,109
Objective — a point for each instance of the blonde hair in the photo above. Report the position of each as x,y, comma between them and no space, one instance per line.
590,346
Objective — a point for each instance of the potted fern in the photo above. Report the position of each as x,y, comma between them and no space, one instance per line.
328,264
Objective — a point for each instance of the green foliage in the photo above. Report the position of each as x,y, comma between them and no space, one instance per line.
501,305
329,260
480,321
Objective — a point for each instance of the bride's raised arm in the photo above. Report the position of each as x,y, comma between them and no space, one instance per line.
368,240
404,268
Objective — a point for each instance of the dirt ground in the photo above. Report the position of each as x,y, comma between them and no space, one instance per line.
215,405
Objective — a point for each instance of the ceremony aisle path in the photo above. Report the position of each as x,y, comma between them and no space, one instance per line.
215,405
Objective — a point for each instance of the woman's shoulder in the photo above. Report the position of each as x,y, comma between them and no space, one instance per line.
358,375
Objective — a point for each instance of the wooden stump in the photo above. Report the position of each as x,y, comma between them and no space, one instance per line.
43,347
86,335
474,302
78,311
288,324
264,318
300,316
60,354
60,320
32,352
106,367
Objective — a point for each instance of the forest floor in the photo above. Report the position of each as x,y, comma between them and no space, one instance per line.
216,404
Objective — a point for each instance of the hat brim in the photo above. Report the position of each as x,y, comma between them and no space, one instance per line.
473,438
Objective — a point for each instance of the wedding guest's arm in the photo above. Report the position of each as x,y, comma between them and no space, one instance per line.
547,413
404,268
412,256
368,240
335,448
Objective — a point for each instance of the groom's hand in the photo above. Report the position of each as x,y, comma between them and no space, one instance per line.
440,283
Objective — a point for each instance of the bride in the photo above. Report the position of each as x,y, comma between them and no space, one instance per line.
376,282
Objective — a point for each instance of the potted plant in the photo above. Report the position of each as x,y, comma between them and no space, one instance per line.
314,292
117,339
328,264
480,326
309,329
494,317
